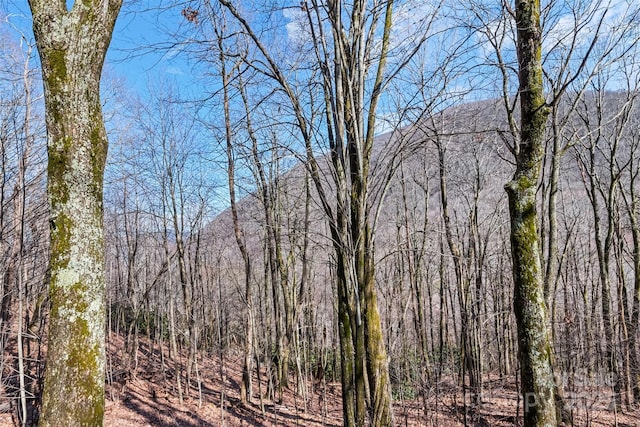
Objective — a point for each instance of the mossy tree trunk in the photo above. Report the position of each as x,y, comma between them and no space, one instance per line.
352,138
538,387
72,45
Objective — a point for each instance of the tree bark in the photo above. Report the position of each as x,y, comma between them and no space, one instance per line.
72,45
538,384
246,386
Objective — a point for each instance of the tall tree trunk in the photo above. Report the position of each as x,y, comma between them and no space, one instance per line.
376,353
534,351
72,47
635,310
469,355
246,386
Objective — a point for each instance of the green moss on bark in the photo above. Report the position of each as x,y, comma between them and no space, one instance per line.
56,68
72,46
99,148
534,349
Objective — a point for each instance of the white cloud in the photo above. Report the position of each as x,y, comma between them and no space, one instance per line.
298,25
176,71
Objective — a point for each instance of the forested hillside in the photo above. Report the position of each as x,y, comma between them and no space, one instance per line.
358,213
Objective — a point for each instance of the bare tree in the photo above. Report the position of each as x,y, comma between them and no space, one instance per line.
246,390
345,58
23,246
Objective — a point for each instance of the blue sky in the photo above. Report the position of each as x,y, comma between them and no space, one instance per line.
139,54
141,46
139,50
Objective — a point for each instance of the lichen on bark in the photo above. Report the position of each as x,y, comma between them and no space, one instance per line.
72,45
534,349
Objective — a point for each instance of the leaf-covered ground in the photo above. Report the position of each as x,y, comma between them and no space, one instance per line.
151,398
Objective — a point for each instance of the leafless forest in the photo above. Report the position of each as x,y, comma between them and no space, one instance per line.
360,213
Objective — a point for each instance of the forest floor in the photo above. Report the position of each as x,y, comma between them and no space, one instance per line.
151,398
